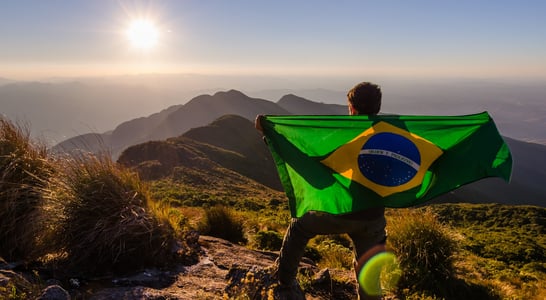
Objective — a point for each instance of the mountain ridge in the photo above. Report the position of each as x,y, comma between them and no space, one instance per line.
301,106
199,111
228,143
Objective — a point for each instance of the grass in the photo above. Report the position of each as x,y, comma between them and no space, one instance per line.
108,224
24,190
463,250
504,247
424,248
333,251
268,240
485,251
85,212
222,222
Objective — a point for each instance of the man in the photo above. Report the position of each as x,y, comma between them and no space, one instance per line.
366,228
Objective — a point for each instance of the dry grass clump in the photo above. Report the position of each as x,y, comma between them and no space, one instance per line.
334,251
425,249
24,186
108,225
269,240
220,221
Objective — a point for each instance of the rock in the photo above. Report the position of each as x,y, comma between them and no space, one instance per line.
53,281
54,292
74,282
9,266
149,278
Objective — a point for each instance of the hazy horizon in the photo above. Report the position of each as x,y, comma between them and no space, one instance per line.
60,109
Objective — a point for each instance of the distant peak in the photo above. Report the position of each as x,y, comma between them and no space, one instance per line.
231,93
292,97
230,117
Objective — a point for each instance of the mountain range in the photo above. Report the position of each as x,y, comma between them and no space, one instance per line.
60,108
199,111
230,146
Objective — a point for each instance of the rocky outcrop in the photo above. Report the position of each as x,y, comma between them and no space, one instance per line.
224,271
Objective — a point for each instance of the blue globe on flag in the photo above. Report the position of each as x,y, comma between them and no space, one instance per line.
389,159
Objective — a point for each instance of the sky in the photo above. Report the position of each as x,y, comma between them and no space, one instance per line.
416,39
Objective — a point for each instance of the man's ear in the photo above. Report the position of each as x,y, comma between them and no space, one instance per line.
352,110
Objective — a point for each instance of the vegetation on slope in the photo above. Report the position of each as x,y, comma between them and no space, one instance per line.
504,247
447,251
24,189
229,143
78,215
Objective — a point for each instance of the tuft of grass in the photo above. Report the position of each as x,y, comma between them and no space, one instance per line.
335,256
175,217
108,225
268,240
425,249
24,189
222,222
334,251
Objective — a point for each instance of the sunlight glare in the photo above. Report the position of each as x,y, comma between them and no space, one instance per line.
142,34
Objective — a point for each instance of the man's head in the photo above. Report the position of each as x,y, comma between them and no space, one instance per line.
364,99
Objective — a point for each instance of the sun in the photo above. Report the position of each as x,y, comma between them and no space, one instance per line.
142,34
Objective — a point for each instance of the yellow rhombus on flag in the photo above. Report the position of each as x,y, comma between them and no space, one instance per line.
407,151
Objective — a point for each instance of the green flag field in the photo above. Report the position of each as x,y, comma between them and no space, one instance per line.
343,164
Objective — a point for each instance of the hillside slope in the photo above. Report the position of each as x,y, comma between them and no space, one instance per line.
227,150
237,134
527,185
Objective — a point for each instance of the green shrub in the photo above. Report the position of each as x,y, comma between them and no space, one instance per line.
24,188
424,248
340,239
108,225
222,222
268,240
336,256
178,221
334,251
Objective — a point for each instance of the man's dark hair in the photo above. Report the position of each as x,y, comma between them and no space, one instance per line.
365,98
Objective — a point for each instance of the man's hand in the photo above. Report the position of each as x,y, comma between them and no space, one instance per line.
258,123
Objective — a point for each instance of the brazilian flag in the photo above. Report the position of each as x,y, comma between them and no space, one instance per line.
343,164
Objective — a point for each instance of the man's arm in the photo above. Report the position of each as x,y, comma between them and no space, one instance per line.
258,123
